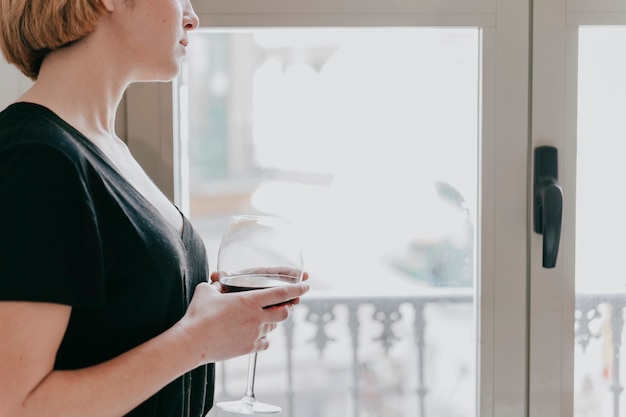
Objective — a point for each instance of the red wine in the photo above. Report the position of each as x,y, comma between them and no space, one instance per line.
237,283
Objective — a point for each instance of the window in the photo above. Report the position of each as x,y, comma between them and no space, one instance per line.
599,221
370,138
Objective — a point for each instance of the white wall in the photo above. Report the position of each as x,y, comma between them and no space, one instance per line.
12,83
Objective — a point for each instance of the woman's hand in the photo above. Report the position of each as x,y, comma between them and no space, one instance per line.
221,326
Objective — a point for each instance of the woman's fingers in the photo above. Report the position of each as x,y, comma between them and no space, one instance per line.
243,318
278,296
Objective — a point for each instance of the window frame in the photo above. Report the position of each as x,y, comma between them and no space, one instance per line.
552,296
503,230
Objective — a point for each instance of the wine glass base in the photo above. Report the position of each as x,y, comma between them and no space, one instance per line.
245,406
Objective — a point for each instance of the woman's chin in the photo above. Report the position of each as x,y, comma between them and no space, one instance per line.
163,75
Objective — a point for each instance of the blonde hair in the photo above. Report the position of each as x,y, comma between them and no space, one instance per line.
29,29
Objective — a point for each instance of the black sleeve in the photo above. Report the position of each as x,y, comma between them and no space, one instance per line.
50,248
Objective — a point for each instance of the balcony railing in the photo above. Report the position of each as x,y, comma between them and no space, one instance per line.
601,316
382,319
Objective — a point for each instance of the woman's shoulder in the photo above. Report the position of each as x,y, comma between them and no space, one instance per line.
24,120
18,113
32,126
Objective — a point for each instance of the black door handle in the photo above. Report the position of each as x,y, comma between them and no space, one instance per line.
548,203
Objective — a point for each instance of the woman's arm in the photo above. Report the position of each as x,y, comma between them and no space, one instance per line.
31,334
216,327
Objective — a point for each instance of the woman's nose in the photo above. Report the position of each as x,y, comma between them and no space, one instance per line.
190,18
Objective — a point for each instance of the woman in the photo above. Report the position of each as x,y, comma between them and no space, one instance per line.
105,308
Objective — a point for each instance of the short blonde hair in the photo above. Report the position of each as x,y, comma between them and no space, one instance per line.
29,29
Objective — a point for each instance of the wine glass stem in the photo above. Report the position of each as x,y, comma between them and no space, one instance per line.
251,375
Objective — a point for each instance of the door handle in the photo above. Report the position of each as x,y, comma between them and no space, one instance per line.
548,203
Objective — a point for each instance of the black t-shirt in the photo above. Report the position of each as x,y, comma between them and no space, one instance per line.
73,231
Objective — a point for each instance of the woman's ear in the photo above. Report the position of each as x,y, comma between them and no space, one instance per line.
108,5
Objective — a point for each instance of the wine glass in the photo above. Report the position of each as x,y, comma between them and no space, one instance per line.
257,252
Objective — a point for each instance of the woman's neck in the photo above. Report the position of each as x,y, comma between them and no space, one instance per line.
78,85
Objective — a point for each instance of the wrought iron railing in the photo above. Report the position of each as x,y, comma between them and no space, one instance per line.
592,309
386,312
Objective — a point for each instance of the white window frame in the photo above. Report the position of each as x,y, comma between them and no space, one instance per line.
554,123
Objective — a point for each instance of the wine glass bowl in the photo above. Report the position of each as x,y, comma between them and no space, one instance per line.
257,252
260,245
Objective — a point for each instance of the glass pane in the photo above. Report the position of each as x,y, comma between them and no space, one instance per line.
600,222
369,138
